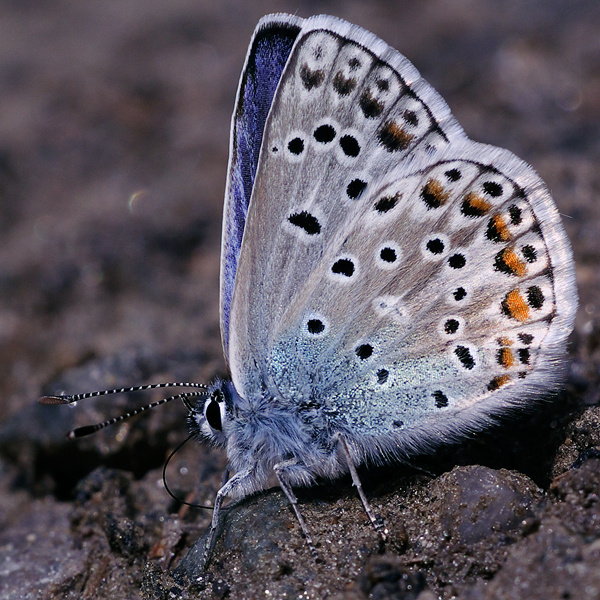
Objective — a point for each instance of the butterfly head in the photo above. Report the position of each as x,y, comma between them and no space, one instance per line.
211,417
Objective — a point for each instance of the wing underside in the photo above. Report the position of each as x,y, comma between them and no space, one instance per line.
391,269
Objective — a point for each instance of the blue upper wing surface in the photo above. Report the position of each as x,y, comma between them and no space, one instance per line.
267,56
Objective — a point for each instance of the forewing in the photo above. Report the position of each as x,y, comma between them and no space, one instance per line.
320,153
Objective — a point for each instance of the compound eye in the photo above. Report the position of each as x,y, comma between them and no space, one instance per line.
213,415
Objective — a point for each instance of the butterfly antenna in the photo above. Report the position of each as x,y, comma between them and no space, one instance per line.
165,477
89,429
58,399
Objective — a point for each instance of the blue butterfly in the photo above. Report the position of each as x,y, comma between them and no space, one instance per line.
387,284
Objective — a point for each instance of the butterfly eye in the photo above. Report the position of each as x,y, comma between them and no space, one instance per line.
212,414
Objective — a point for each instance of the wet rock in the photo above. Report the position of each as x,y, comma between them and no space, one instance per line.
582,441
477,502
560,559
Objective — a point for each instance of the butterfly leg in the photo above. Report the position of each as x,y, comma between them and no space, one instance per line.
229,488
345,452
280,469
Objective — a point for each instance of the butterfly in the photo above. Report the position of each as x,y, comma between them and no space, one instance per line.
387,284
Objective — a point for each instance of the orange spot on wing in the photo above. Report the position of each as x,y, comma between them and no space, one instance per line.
478,203
516,306
393,137
497,382
436,189
506,358
501,227
513,262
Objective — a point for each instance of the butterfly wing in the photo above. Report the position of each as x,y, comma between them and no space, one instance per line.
267,55
393,273
388,91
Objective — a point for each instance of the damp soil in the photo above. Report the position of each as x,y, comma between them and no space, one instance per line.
113,152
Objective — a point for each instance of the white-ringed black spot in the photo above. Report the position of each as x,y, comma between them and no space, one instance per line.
453,175
275,149
524,355
410,116
388,255
441,400
435,246
383,85
311,78
535,297
364,351
296,146
464,355
343,266
315,326
343,85
355,189
457,261
451,326
529,252
304,220
370,106
354,63
491,188
459,293
398,423
386,203
350,145
515,214
382,376
324,134
526,338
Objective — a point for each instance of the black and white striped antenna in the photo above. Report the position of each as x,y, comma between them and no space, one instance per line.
80,432
185,397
